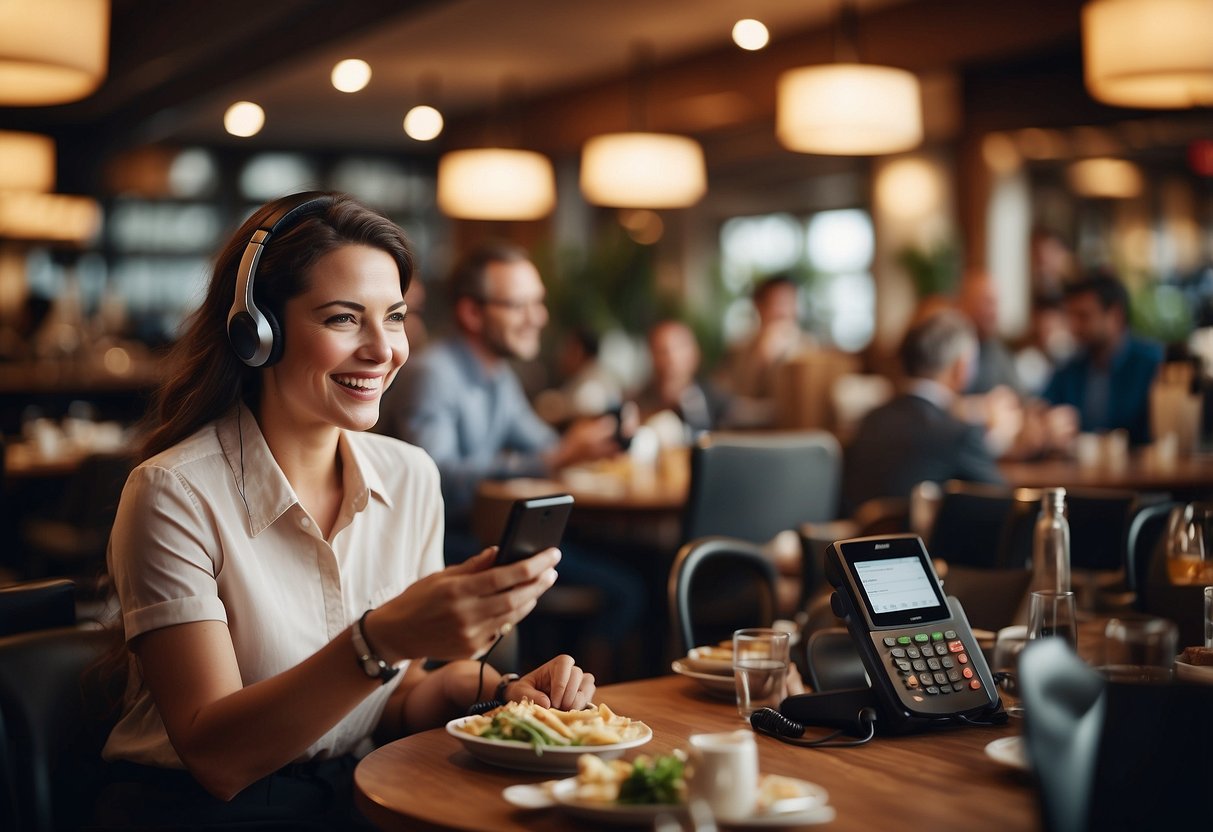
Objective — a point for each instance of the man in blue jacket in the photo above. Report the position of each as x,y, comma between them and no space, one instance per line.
1108,380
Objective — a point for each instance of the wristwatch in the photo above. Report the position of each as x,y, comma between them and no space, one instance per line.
371,664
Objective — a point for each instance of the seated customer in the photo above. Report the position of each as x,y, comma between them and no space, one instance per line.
914,437
1109,378
675,384
279,570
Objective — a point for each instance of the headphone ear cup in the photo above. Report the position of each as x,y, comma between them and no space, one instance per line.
242,333
276,340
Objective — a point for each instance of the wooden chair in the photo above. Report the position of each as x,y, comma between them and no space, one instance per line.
718,585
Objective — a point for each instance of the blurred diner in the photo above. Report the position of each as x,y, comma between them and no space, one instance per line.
675,384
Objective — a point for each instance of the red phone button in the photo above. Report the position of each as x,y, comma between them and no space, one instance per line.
963,658
975,684
955,646
967,673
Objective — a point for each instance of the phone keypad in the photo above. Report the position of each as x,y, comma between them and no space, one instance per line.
935,663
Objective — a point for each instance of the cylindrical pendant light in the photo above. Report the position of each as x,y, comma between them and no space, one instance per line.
27,162
1149,53
1102,178
52,51
53,217
848,109
643,170
494,183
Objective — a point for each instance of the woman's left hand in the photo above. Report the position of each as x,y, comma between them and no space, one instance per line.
559,683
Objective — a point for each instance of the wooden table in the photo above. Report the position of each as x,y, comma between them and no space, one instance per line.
1188,477
940,780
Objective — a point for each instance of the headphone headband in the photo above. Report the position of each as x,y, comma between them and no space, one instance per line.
254,333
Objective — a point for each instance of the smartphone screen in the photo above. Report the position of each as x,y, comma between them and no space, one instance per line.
534,525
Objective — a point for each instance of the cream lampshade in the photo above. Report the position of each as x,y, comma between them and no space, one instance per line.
56,217
495,183
52,51
643,170
27,162
1149,53
1102,178
848,109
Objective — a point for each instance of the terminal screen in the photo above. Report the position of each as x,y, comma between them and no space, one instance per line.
896,584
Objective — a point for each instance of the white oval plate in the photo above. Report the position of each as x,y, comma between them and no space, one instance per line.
705,660
1201,674
816,809
524,757
721,687
1010,751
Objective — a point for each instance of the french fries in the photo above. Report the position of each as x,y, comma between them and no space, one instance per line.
527,722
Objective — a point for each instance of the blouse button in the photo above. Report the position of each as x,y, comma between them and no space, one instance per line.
305,523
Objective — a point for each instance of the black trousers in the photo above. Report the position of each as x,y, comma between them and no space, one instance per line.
317,795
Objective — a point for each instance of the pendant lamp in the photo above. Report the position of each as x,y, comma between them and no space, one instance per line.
27,162
1149,53
641,169
496,183
48,217
52,51
848,108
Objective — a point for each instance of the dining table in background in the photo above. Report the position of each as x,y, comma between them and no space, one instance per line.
1186,476
937,780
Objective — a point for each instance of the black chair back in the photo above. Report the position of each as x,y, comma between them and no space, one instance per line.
1099,526
718,585
37,605
753,487
984,526
56,711
1146,530
1113,756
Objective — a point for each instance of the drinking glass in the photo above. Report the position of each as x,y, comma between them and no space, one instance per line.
760,668
1140,649
1190,544
1051,614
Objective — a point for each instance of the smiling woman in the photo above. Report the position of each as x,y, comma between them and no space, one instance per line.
278,568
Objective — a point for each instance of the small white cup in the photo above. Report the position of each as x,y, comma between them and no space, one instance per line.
724,772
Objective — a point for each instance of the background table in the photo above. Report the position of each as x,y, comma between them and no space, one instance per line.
940,780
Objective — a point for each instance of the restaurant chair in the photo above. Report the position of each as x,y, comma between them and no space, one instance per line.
718,585
56,710
72,539
753,487
1156,595
1113,756
1146,530
37,605
833,663
880,515
985,526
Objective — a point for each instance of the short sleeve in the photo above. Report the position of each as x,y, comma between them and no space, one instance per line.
163,554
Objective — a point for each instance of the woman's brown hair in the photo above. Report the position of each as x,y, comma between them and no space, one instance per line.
206,377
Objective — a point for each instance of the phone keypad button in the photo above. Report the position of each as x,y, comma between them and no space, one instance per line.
889,641
927,650
903,640
949,634
903,665
920,665
936,636
913,653
967,673
954,675
931,689
963,658
958,687
898,653
921,638
956,646
975,684
911,681
933,664
940,679
947,661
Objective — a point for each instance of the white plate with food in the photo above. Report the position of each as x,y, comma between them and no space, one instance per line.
717,660
529,737
782,802
722,687
1010,751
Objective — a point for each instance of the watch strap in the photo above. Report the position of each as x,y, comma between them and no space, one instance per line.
368,660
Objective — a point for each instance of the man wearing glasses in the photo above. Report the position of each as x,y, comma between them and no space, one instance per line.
461,401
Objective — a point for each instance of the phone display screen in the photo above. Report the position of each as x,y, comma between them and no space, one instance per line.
896,583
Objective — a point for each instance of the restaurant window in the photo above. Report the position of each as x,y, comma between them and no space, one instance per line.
830,253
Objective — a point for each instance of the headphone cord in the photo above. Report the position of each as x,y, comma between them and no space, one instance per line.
479,706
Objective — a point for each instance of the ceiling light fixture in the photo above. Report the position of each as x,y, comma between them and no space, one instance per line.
1148,53
244,119
423,123
351,75
496,183
49,217
52,51
848,108
1105,178
27,162
640,169
750,34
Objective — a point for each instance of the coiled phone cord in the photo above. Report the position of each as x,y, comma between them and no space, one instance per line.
772,723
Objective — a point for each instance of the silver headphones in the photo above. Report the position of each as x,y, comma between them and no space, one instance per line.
255,333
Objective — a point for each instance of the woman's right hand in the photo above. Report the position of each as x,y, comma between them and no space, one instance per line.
456,613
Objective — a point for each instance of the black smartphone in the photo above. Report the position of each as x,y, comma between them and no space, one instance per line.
627,419
534,525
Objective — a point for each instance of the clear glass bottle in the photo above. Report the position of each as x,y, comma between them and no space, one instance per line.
1051,543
